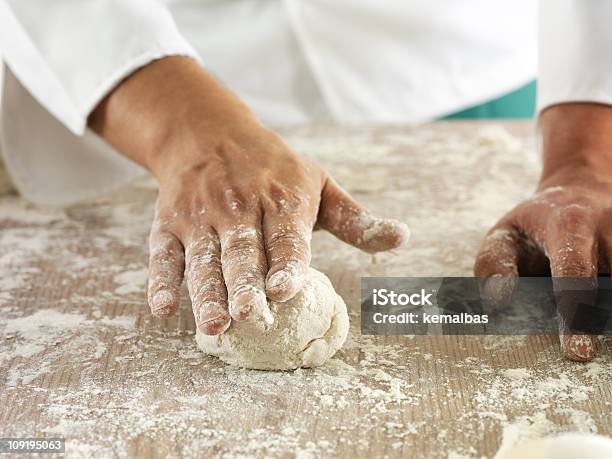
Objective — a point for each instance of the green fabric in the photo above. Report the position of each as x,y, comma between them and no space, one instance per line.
517,104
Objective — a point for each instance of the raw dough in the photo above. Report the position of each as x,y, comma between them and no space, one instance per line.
306,332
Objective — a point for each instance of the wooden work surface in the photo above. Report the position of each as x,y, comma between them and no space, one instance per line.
82,359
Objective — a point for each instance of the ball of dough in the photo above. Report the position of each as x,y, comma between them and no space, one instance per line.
307,331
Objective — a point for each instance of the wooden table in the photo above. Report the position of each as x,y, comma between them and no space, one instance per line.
82,359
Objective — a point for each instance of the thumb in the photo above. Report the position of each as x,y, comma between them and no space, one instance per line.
348,221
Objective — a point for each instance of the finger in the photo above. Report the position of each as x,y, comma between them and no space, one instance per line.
498,262
572,251
579,348
348,221
205,283
244,266
166,267
287,242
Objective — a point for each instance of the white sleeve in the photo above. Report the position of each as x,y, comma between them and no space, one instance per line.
59,59
575,52
70,53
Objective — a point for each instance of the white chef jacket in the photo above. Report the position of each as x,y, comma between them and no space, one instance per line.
292,61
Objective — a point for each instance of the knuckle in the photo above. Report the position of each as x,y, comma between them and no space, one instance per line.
243,252
235,202
295,266
572,219
169,204
208,291
294,234
250,282
576,268
180,208
165,278
197,205
162,223
165,250
162,238
284,245
285,200
572,259
241,247
203,251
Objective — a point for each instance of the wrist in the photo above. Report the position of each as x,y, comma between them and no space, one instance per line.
576,143
168,114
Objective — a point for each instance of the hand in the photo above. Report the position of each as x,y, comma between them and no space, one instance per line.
236,206
564,229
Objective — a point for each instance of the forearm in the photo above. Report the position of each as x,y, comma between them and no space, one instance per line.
576,139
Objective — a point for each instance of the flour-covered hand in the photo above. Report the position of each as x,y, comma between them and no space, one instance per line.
236,206
564,230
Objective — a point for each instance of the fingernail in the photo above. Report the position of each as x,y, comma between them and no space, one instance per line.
580,348
213,319
215,326
278,278
285,284
162,301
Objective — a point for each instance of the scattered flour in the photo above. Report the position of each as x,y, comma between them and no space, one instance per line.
138,383
131,282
